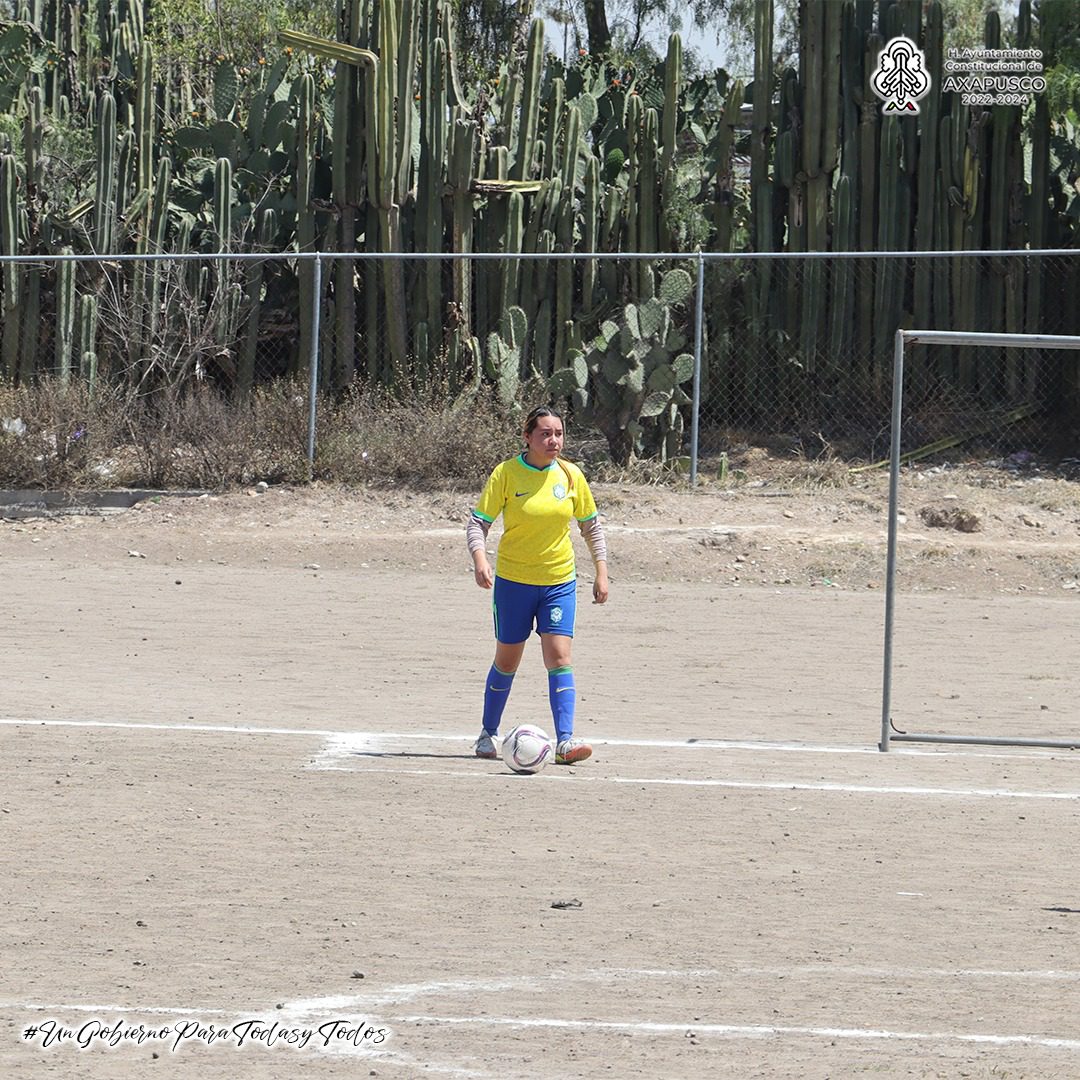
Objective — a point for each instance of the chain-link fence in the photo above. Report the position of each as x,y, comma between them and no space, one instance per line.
664,355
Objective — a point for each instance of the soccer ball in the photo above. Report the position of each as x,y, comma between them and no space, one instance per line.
527,749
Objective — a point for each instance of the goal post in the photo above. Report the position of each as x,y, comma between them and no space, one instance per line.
939,337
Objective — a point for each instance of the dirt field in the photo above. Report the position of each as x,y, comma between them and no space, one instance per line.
238,801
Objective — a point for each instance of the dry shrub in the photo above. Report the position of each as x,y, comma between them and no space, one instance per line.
372,437
195,435
55,435
65,437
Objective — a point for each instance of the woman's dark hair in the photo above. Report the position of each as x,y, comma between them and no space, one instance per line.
540,411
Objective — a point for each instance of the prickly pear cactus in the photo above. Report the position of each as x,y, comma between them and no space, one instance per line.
504,349
628,379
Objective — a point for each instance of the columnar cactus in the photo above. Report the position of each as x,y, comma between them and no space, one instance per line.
929,175
9,245
305,213
88,338
530,108
669,132
105,188
65,315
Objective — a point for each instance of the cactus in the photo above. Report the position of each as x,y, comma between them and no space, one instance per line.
159,217
144,118
225,299
305,214
151,209
504,353
669,131
929,173
391,162
88,338
511,269
105,188
226,90
12,274
554,104
646,200
65,315
223,203
842,296
459,177
761,193
1037,221
33,134
591,235
722,147
349,154
887,277
253,290
430,181
628,379
530,109
29,314
564,233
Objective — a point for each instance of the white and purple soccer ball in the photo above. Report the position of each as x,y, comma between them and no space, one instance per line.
527,749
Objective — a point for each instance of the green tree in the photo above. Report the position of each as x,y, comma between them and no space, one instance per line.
488,33
189,32
1059,39
632,30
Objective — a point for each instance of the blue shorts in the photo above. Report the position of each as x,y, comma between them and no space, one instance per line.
517,607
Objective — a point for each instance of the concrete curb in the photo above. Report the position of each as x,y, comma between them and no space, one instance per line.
31,502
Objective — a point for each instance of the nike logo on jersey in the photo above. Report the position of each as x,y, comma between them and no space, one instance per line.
518,494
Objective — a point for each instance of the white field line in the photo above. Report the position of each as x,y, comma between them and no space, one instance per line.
644,1027
355,740
746,1031
372,1005
403,993
577,777
864,972
342,745
129,725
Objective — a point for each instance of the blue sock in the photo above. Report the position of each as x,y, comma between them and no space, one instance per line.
496,691
563,698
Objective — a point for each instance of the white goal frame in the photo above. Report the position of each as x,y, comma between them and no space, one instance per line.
939,337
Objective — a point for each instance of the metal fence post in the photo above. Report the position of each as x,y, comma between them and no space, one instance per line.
696,406
313,362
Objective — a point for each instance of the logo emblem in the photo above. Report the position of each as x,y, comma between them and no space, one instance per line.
556,615
900,78
559,491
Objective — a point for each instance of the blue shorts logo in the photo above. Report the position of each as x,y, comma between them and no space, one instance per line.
559,491
556,615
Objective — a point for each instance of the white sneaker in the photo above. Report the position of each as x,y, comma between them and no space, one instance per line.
485,746
571,751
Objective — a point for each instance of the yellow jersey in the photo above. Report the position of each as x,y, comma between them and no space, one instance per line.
536,505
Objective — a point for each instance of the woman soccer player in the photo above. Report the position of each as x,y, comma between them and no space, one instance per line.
537,494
